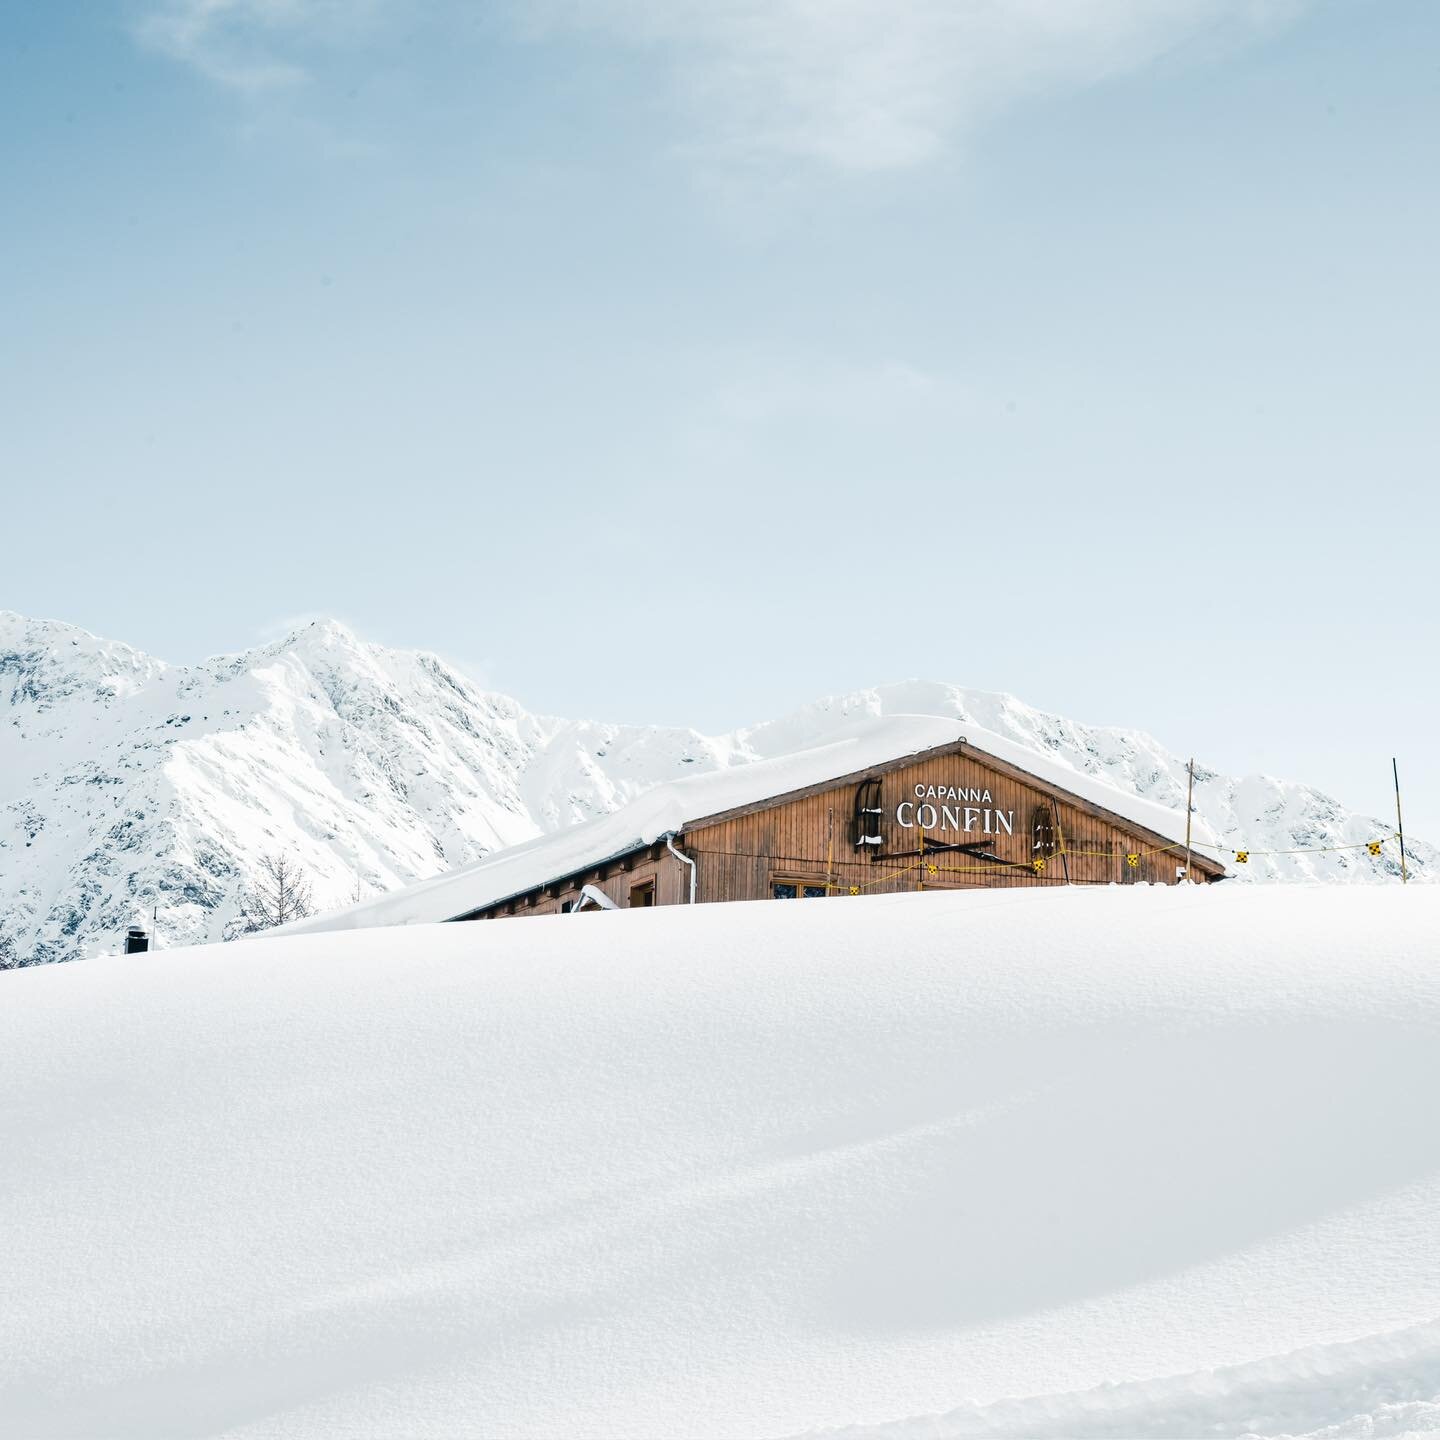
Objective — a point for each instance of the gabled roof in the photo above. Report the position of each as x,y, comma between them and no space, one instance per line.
671,808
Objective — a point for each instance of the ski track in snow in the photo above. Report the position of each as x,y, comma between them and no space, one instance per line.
1385,1385
1086,1163
130,784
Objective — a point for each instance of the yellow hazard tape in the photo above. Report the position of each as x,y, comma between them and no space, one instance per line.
1132,859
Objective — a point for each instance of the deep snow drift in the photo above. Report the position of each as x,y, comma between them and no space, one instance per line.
747,1170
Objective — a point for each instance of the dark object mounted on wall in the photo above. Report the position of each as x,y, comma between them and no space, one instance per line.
1042,831
865,824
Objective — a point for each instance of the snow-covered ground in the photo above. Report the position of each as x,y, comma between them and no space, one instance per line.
1126,1161
131,788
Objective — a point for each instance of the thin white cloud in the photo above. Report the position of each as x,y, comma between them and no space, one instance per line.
218,38
254,45
867,85
842,85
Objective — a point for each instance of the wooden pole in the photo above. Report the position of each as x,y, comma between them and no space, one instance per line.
1399,822
1189,811
829,851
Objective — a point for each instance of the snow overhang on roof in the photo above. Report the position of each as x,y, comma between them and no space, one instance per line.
671,807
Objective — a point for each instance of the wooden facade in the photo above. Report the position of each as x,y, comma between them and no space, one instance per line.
947,818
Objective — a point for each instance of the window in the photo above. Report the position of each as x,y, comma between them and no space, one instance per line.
865,824
1042,832
642,895
797,890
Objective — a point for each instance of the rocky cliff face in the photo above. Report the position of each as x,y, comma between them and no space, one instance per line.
132,787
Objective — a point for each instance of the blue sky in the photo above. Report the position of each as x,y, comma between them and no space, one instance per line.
687,361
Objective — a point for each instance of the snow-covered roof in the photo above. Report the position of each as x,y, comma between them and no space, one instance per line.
669,808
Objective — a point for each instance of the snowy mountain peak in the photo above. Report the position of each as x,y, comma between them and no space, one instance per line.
42,662
133,786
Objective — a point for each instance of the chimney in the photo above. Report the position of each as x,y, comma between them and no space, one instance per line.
136,941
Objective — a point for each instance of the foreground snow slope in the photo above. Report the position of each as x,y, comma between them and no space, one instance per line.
746,1170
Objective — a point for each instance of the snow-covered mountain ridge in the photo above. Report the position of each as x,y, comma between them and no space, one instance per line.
131,785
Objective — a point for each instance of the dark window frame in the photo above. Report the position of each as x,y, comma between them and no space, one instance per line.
806,887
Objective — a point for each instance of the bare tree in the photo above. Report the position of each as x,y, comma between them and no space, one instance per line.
280,893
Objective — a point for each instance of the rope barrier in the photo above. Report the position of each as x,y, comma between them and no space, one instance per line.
1132,859
1373,846
861,887
1038,865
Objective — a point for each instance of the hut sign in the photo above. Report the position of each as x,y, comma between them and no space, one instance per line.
978,817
